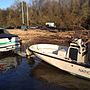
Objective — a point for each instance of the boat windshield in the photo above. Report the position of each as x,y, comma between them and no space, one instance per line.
1,31
73,54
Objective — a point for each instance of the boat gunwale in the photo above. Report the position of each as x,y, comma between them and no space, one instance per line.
10,45
73,62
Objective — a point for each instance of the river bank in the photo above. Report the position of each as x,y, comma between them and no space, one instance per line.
43,36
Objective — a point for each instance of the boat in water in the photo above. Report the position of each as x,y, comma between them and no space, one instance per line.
72,59
9,41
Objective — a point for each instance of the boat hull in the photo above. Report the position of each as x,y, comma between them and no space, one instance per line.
14,47
7,44
75,69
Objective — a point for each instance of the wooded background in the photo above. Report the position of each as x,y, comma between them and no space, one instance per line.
69,14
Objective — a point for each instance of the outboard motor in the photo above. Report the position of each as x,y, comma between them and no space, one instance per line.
78,51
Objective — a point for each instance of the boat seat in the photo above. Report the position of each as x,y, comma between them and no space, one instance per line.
55,52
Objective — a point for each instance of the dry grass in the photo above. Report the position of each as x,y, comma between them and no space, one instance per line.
43,36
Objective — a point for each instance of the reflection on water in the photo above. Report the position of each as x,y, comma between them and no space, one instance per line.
33,61
18,73
8,61
56,76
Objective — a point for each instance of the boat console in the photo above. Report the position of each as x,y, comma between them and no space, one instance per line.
77,51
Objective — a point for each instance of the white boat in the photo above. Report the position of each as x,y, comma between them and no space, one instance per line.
73,59
8,41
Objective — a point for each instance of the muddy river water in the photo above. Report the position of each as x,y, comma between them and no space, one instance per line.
21,73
